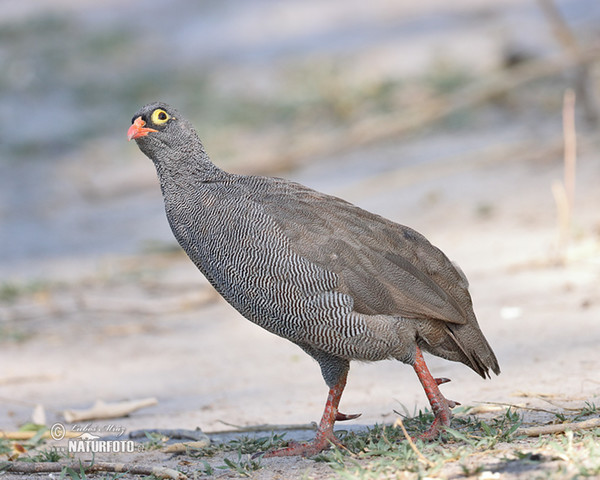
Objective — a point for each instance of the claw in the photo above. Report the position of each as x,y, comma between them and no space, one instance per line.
340,417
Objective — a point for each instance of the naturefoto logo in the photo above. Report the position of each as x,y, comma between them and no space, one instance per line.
89,442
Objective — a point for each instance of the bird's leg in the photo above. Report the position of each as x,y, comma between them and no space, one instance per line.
325,436
439,404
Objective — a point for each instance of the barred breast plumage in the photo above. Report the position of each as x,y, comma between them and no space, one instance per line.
340,282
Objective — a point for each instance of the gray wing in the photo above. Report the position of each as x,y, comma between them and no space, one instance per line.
385,267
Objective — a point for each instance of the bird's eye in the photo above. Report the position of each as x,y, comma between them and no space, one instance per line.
159,116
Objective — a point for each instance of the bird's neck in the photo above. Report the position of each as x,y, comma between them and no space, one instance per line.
187,172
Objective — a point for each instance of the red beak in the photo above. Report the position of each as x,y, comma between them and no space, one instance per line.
138,130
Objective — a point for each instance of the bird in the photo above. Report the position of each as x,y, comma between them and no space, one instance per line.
340,282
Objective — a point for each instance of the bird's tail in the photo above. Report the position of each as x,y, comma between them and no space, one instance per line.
475,349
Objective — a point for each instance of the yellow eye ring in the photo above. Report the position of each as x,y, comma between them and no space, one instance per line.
159,116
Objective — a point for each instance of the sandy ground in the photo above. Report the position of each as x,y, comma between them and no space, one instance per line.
150,325
97,303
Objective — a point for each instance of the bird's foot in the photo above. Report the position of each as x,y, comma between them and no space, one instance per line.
441,409
325,437
440,405
440,422
340,417
438,426
322,441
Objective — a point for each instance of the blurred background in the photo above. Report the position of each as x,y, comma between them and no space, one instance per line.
450,117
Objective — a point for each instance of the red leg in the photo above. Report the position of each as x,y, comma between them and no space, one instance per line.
325,436
439,404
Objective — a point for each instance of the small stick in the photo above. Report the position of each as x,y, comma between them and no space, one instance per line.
412,444
559,428
523,407
564,193
170,432
28,435
183,447
101,410
546,398
48,467
262,428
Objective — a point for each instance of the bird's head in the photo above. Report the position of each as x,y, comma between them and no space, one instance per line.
158,129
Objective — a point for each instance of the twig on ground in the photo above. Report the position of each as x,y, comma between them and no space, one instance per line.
409,439
28,435
559,428
102,410
483,407
133,469
177,433
546,398
186,446
263,428
523,407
